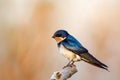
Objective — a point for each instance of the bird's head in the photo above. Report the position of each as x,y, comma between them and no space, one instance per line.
60,35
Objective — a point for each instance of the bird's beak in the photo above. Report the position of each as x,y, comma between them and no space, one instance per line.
53,36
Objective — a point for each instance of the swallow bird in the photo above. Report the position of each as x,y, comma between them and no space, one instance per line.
74,51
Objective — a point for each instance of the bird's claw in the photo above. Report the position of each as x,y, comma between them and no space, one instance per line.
69,65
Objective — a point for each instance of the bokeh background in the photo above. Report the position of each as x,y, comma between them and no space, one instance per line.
27,51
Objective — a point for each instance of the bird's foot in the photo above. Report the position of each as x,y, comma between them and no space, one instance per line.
69,65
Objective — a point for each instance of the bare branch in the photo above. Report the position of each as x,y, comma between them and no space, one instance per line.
65,73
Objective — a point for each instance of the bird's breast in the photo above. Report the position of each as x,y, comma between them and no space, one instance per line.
68,54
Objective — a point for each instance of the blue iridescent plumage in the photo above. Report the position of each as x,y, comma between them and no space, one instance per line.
73,45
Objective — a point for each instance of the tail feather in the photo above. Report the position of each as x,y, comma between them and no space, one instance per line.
92,60
97,65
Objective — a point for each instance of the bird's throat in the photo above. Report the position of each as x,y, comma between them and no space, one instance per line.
59,39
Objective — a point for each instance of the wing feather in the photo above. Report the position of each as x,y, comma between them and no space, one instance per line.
73,45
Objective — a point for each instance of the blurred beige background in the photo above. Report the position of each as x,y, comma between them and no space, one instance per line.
27,51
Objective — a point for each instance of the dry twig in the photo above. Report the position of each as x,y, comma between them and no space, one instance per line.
65,73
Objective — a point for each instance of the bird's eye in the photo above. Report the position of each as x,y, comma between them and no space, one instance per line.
58,35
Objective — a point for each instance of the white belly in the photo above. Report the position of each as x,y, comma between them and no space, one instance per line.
68,54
